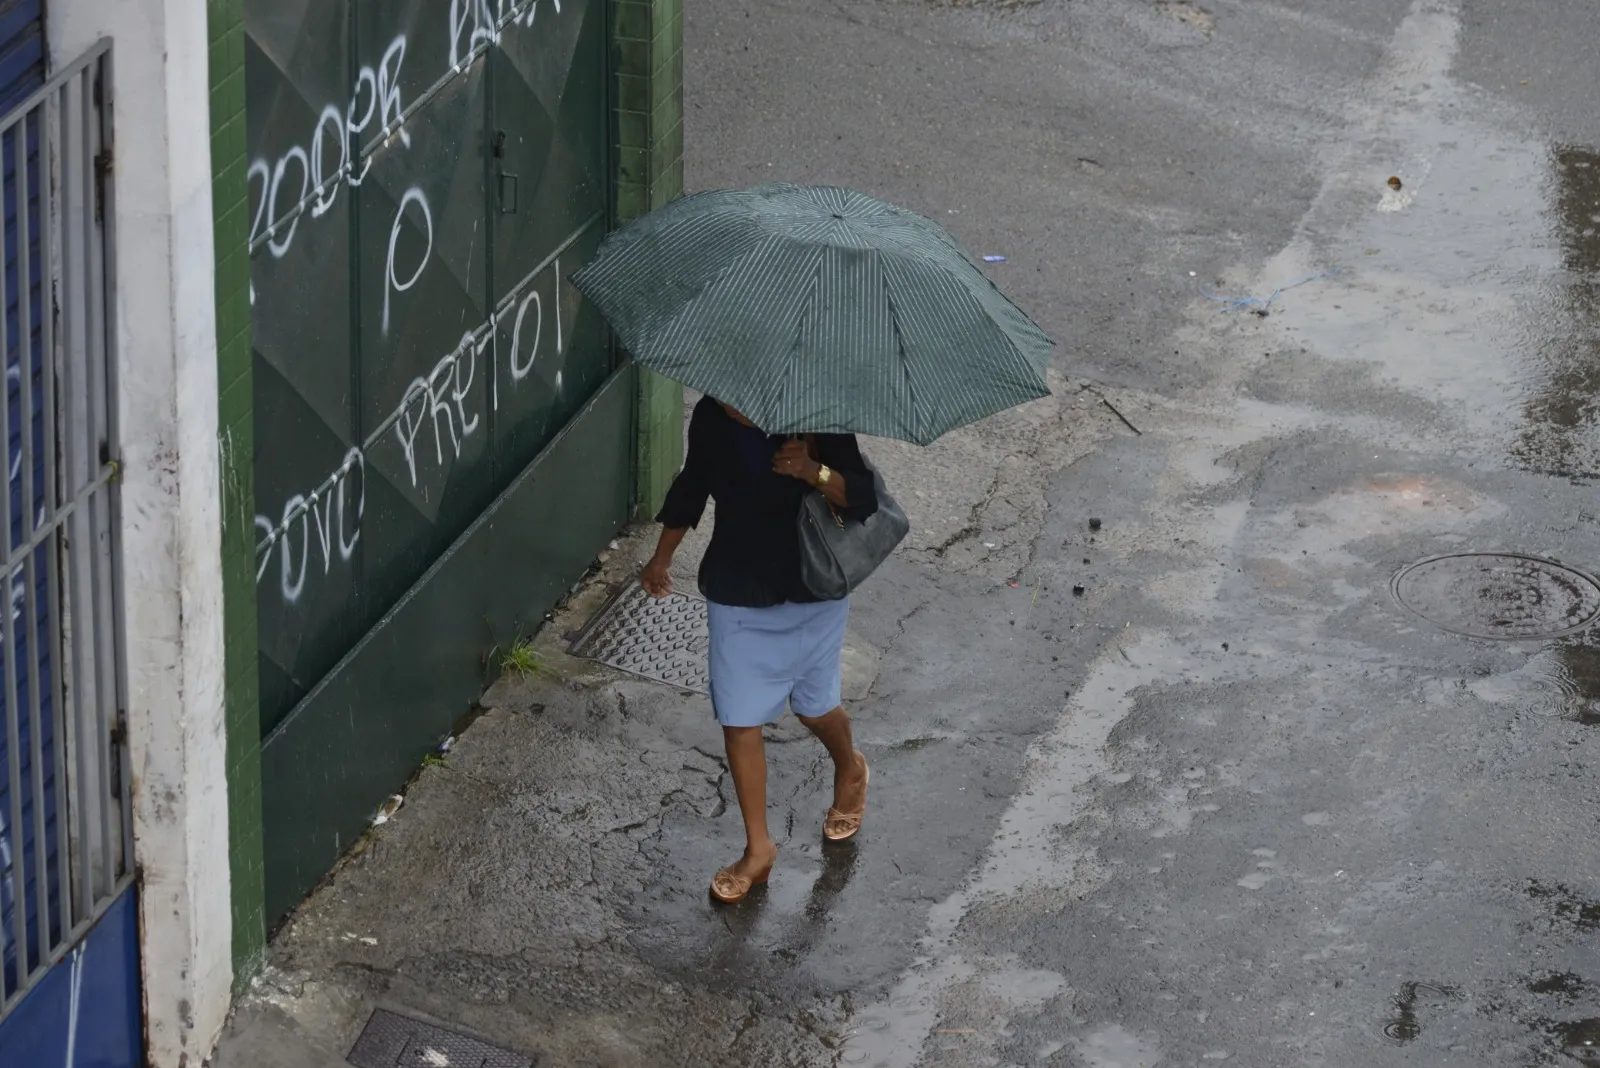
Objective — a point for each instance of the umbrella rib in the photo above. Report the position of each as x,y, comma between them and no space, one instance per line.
689,308
905,360
907,233
809,305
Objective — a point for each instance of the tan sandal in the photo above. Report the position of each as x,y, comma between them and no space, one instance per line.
843,826
730,889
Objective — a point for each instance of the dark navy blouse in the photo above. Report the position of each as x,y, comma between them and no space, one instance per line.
753,560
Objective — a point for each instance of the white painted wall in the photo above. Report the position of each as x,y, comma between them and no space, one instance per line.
167,375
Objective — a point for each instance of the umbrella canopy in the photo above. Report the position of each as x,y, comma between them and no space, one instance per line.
817,310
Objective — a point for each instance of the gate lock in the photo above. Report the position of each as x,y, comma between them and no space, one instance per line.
508,182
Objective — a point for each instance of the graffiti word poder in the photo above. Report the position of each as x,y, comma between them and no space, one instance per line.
379,88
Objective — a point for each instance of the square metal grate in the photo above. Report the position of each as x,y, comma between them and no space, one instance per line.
664,641
393,1041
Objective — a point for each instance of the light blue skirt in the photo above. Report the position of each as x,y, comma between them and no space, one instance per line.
762,659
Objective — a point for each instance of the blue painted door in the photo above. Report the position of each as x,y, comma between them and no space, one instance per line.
87,1011
27,775
69,989
22,59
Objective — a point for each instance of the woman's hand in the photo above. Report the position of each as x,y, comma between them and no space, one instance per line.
794,459
656,578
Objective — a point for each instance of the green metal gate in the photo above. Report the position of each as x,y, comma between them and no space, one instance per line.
425,176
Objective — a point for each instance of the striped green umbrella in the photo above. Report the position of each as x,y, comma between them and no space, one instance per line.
817,310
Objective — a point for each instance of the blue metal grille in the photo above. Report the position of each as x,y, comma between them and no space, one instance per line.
22,58
63,839
28,781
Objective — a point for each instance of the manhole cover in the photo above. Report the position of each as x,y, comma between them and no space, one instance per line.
393,1041
1499,595
663,640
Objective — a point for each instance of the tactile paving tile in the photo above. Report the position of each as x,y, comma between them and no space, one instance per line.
393,1041
664,641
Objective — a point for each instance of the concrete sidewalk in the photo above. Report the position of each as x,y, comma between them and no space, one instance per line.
500,899
544,884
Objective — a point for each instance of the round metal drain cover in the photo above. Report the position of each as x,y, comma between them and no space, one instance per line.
1499,595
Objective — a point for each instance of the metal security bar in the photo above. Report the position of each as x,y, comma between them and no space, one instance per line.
65,839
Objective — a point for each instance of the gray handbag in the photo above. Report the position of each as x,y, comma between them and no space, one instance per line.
837,554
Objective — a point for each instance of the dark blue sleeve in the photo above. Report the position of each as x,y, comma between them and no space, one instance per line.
685,503
840,452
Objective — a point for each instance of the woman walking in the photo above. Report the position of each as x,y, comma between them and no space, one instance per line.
818,313
774,644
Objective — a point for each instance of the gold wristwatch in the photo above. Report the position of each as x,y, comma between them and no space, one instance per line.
824,475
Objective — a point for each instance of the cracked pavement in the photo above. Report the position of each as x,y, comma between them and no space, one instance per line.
1182,787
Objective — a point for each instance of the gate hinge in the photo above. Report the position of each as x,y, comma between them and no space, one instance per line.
119,740
102,168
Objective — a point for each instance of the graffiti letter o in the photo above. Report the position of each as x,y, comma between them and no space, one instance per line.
392,281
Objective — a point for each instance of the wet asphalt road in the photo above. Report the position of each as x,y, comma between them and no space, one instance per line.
1183,786
1232,804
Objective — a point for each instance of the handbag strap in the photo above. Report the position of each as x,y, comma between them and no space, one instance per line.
811,448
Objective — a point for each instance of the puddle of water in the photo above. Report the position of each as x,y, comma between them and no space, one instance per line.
1581,682
1563,414
1561,681
1418,1006
1580,1039
1559,1041
1562,984
1571,1041
1406,1023
1436,317
1565,906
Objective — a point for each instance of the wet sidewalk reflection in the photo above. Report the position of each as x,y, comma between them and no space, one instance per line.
1562,433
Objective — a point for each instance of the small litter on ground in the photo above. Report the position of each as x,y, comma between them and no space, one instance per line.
1240,303
994,259
390,807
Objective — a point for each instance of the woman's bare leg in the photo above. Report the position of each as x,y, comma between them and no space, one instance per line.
849,768
747,762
